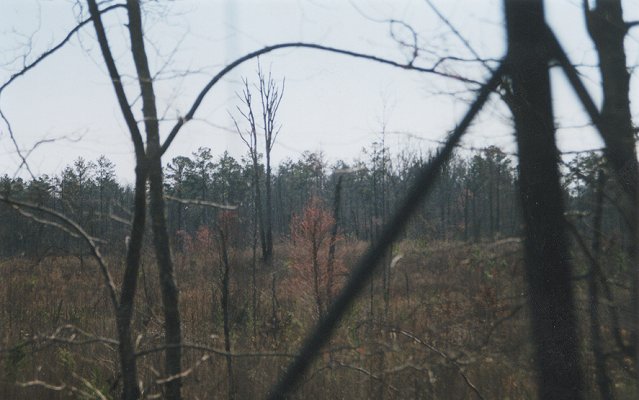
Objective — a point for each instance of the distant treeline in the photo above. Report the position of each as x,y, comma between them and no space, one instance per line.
475,198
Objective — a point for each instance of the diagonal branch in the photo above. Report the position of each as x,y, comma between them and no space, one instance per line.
116,80
444,356
573,77
15,145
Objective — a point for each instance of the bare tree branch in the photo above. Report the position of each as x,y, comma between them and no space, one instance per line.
196,202
194,346
116,80
200,97
443,355
55,48
15,144
459,36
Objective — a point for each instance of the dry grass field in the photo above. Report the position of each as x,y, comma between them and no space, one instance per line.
445,321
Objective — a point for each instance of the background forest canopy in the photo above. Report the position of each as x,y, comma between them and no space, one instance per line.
475,197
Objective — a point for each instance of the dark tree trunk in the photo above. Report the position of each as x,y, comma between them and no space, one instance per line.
258,206
548,273
608,31
268,254
330,264
173,335
168,287
124,308
602,378
224,302
129,284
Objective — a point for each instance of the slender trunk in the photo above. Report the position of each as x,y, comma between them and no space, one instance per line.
330,265
126,349
274,306
491,215
124,308
603,381
254,273
498,201
548,271
258,205
225,313
269,211
466,208
476,218
173,334
316,274
172,325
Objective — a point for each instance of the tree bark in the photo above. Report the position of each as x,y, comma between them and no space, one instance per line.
548,271
173,335
602,378
124,310
608,30
129,284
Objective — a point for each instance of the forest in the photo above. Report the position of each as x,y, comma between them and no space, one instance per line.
475,198
468,230
450,271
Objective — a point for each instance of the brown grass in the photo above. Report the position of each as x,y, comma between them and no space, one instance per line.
456,317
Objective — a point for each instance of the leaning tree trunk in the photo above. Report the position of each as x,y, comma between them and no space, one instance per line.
124,308
548,273
173,335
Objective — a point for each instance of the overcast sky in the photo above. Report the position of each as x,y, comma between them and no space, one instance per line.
331,103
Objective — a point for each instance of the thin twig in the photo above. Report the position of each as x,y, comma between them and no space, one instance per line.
55,48
443,355
196,202
194,346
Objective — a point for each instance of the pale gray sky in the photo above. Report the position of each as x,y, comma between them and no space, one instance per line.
332,103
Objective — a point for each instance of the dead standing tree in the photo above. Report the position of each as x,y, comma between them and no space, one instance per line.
249,137
270,97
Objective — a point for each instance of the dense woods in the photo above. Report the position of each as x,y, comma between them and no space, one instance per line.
475,198
468,229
